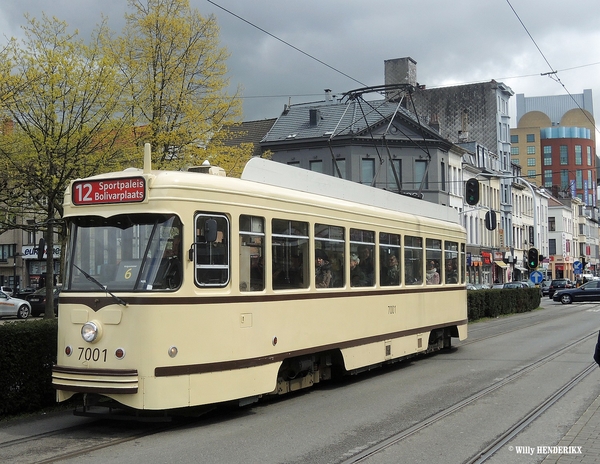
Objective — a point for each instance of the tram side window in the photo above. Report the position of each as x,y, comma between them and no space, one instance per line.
329,256
252,253
433,257
362,255
212,250
451,262
413,260
463,261
389,259
290,250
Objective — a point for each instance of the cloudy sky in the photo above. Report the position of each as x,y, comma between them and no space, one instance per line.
453,42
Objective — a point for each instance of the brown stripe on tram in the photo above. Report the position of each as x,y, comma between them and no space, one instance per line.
263,360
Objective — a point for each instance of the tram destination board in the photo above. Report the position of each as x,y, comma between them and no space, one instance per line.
103,191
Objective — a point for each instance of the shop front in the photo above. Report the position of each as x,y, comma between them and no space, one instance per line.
35,269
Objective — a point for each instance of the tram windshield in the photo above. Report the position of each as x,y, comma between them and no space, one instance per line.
130,252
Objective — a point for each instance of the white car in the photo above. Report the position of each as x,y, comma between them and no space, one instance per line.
10,306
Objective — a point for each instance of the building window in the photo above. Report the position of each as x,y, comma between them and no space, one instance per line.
564,157
420,167
547,156
578,159
7,251
551,224
514,151
548,178
367,170
531,150
516,161
578,179
589,155
396,165
531,173
340,164
530,138
514,139
552,246
443,173
316,166
564,179
530,161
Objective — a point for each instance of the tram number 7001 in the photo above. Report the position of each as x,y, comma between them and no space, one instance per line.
89,354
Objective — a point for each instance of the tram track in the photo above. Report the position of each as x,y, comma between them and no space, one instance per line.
486,453
474,339
71,442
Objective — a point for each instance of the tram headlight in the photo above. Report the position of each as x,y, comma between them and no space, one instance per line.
90,331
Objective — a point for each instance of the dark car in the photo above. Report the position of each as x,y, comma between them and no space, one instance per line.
515,284
589,291
545,286
558,284
37,300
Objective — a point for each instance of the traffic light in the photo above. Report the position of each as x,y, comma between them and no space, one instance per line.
490,220
533,258
472,191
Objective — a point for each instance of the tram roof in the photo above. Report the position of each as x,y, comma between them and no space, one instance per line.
281,175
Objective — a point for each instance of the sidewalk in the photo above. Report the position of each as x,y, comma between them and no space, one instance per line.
584,436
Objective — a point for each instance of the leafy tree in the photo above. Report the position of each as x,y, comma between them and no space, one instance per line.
176,76
60,100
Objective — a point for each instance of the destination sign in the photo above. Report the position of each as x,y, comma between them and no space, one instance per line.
103,191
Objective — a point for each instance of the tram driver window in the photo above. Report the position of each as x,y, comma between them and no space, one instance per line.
211,250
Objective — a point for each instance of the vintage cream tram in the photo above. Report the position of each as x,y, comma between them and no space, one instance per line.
189,288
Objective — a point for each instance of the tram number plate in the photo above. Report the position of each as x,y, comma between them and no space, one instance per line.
92,354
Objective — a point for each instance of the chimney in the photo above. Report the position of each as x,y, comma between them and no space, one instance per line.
328,97
400,71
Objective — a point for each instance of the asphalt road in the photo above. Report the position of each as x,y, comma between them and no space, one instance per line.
336,421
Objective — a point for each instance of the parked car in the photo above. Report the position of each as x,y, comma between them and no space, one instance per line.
37,300
545,286
23,292
590,291
10,306
7,290
515,284
558,284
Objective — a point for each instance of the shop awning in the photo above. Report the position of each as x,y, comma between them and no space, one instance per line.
501,264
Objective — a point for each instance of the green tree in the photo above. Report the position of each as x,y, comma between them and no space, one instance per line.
60,100
176,78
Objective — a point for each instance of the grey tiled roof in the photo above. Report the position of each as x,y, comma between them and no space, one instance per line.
249,132
348,118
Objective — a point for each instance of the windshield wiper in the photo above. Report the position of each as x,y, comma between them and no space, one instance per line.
103,287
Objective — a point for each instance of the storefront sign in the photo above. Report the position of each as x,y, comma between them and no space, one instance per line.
30,252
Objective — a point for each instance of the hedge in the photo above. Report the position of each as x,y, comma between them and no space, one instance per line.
28,349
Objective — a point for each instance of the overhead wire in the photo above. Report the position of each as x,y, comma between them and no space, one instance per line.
553,74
